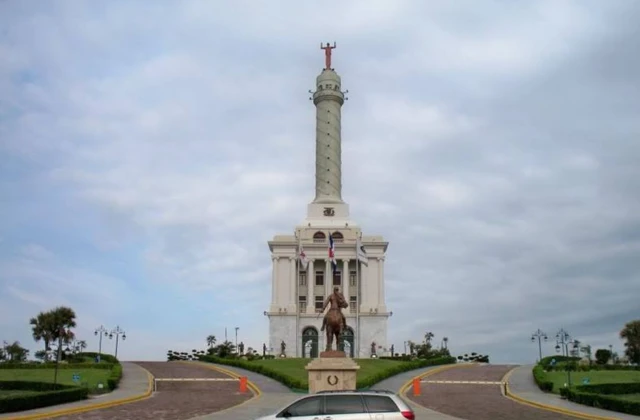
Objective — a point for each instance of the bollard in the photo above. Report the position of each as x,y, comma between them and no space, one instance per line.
416,387
243,384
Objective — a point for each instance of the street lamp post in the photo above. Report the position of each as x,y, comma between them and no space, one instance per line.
563,339
539,334
237,328
101,330
117,331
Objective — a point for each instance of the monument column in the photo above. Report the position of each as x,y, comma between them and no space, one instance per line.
311,300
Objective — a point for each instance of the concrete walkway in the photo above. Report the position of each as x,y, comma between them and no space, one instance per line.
134,383
522,385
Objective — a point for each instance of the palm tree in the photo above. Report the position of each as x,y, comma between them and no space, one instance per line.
211,341
41,330
445,341
427,337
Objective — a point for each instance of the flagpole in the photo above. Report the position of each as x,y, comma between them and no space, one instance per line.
297,295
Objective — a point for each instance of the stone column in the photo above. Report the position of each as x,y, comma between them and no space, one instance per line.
310,283
344,281
328,279
381,301
274,280
293,285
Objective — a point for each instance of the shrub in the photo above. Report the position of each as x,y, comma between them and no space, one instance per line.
296,383
540,377
104,358
604,396
47,394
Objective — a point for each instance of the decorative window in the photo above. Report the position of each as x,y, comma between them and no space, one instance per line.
353,303
302,304
319,278
337,278
319,238
353,279
303,278
319,303
337,237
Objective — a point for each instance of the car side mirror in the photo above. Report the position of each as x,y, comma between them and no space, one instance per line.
285,414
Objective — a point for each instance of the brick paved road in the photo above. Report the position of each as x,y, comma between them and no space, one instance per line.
477,402
174,401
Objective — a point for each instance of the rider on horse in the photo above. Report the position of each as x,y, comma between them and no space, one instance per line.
337,301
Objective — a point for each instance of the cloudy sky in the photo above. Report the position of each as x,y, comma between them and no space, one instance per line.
150,149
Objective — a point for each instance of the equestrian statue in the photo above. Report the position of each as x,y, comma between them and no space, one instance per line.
334,320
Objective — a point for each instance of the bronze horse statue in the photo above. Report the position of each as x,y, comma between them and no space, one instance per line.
334,321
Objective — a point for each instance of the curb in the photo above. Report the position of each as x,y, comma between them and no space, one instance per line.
520,400
92,407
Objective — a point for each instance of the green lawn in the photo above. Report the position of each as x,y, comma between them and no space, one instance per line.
595,377
65,376
295,367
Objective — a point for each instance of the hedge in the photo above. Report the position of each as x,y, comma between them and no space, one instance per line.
114,379
604,396
295,383
586,368
53,365
545,362
540,378
47,394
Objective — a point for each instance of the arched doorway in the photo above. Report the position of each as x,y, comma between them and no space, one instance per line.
347,342
310,342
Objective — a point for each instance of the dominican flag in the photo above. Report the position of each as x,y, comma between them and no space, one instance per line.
304,260
332,254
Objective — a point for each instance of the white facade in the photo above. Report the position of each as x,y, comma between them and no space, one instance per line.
297,295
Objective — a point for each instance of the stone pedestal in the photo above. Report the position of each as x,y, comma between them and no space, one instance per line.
332,371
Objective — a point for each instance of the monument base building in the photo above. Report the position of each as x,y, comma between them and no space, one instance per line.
303,276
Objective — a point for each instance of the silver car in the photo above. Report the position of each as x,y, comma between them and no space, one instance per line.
347,405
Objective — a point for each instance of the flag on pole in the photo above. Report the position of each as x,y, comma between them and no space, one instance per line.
304,260
332,254
361,253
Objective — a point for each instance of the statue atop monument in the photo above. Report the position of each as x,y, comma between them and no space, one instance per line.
327,54
334,320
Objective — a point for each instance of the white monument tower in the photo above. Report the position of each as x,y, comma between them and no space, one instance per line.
301,284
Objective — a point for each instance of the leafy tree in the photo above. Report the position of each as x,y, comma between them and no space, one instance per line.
603,356
211,341
586,350
3,354
631,334
224,349
15,352
40,355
